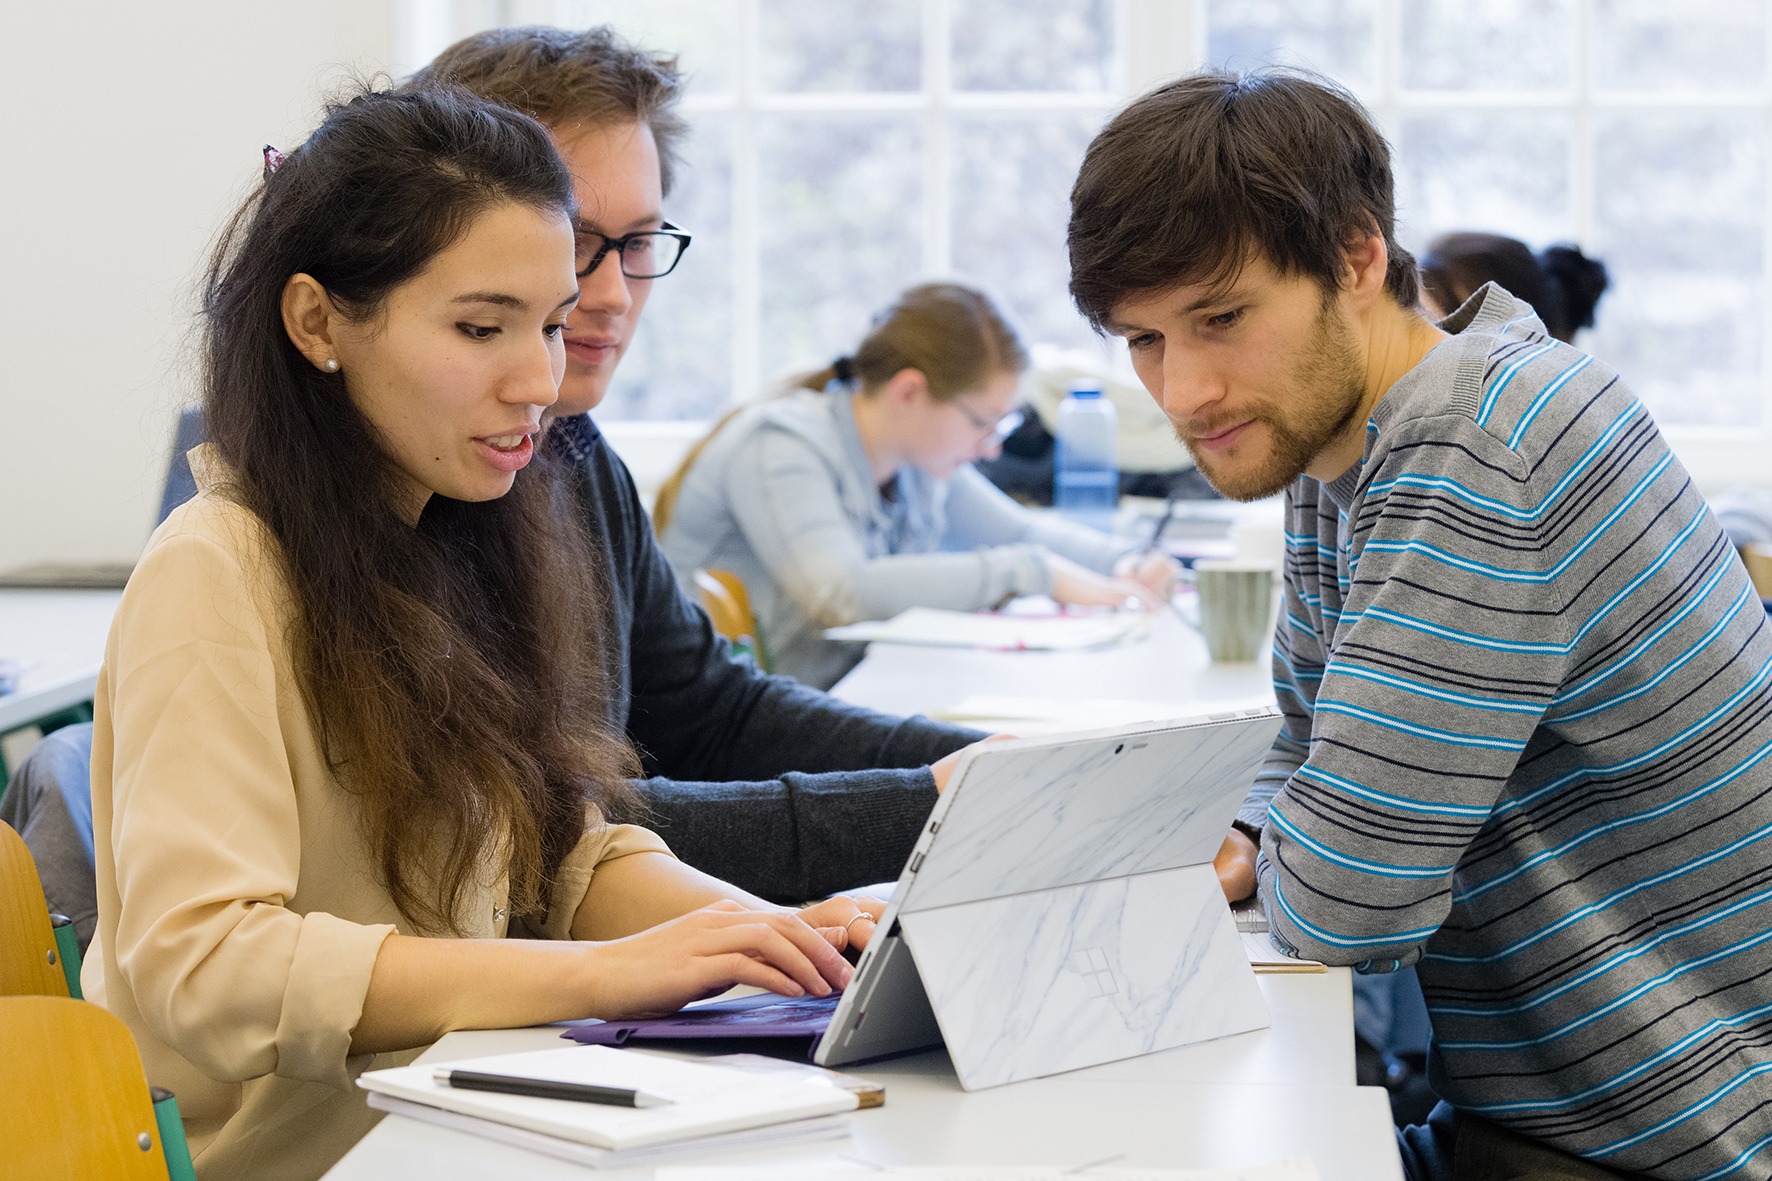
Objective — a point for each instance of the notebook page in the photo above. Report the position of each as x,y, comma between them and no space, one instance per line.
705,1099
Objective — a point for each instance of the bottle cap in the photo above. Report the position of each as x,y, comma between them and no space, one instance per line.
1085,388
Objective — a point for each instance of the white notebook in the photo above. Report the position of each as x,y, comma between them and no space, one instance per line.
788,1135
706,1100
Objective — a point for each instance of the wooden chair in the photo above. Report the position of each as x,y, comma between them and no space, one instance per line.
1758,558
38,956
728,604
77,1101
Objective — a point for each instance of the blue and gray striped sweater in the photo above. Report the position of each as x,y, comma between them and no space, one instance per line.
1528,690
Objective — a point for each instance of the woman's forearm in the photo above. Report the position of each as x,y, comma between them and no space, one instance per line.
422,988
629,894
665,934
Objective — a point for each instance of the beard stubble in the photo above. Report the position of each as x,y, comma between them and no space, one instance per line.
1327,387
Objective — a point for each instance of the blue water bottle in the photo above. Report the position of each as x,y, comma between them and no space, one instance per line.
1087,476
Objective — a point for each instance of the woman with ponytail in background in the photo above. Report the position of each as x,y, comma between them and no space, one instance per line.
851,494
1561,283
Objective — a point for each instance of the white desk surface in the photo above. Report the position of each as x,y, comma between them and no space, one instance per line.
1168,664
1237,1101
62,634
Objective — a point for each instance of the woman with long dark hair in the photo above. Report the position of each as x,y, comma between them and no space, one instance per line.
350,732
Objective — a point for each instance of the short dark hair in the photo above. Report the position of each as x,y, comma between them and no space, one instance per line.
556,75
1205,173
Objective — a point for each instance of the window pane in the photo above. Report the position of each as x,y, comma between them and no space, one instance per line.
1032,44
1011,201
1496,45
814,45
1679,225
840,209
1500,172
1334,39
1651,45
702,33
680,362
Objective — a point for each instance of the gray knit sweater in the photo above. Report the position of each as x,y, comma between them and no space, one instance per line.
1529,746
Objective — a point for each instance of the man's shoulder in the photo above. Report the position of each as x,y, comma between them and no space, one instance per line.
604,481
1515,393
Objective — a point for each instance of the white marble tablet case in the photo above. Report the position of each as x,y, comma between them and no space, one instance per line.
1061,907
1034,984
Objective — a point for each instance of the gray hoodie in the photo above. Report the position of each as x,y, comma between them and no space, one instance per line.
783,497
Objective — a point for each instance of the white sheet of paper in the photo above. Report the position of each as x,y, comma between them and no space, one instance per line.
932,627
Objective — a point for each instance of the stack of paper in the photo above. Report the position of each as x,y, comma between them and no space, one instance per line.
936,628
712,1108
1267,959
1266,956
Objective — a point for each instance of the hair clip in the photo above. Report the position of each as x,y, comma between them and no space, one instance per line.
844,369
273,160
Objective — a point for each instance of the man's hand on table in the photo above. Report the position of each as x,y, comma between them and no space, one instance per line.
1235,864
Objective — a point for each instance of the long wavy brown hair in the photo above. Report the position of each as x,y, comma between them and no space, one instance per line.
455,669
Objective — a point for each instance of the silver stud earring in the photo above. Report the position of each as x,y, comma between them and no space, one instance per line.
331,365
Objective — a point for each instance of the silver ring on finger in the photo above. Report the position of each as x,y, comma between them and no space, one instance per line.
863,915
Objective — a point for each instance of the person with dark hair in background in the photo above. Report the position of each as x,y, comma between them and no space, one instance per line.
1562,284
351,729
851,494
756,779
1527,685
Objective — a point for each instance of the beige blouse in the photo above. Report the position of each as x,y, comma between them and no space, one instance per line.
239,914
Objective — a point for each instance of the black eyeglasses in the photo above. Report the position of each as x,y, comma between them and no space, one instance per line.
649,254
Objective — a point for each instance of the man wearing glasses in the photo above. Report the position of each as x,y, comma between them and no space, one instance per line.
758,780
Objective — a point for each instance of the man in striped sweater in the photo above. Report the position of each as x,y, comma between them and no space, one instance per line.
1529,722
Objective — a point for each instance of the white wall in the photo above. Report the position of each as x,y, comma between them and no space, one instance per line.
128,138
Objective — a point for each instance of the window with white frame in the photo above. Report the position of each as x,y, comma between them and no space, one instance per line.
839,153
843,149
1634,128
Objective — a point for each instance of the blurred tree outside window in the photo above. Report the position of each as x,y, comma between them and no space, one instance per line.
843,149
1634,128
840,152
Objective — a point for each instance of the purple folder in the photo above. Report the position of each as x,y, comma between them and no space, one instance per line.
801,1019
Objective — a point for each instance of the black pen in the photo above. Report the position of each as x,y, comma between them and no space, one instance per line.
541,1088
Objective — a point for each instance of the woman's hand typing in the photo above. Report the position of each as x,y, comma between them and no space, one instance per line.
663,968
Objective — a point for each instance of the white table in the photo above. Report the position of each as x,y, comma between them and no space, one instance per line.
1237,1101
1168,664
61,633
